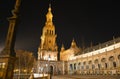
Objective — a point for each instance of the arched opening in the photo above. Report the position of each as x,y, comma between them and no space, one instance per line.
84,64
96,61
111,59
51,70
114,64
103,61
105,65
90,62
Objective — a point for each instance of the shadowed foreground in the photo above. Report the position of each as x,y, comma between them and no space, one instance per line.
86,77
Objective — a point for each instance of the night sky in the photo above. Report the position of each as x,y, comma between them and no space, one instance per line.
86,21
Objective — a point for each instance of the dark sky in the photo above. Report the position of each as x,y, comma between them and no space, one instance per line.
86,21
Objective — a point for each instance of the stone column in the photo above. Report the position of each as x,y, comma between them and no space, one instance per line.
8,55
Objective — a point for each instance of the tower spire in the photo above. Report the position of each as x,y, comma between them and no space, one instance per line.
49,5
49,9
49,15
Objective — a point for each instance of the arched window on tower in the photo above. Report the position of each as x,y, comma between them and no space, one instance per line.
47,31
52,32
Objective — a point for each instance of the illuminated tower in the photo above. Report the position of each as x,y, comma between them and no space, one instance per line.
48,47
8,56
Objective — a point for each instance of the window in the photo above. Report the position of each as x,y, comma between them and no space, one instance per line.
2,65
114,64
75,66
52,32
105,65
71,68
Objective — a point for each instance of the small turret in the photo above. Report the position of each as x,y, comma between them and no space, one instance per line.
62,48
73,44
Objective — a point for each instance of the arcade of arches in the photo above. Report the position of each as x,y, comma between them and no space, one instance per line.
98,61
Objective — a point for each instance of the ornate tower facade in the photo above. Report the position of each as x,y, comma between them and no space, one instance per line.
48,49
8,55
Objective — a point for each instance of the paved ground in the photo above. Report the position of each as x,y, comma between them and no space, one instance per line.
86,77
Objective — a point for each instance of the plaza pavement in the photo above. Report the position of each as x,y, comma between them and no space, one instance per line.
86,77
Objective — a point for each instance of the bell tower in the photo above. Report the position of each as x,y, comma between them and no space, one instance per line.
8,55
48,39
